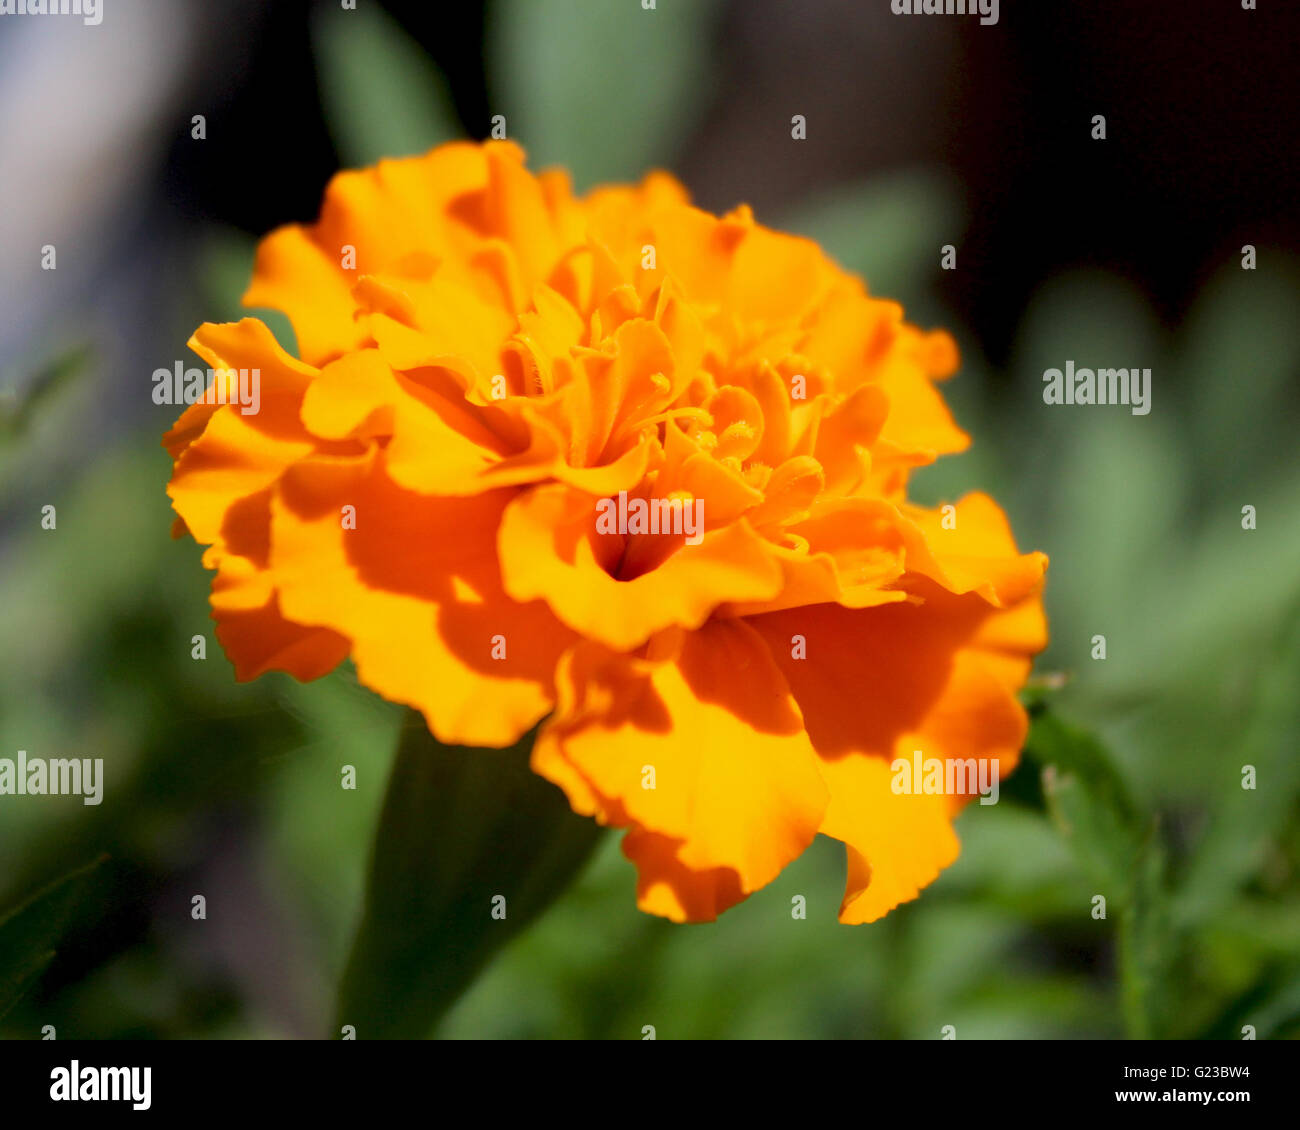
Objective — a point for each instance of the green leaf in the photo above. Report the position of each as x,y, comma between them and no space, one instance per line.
1243,323
17,411
30,932
382,95
1247,821
1087,800
460,826
1270,1005
1121,853
1148,948
889,230
601,87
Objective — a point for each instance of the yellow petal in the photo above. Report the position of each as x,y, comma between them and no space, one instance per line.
708,722
415,588
549,550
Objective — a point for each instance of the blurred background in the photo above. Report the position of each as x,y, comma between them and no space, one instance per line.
921,132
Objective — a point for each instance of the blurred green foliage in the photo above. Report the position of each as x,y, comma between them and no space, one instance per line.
382,95
30,932
232,791
601,89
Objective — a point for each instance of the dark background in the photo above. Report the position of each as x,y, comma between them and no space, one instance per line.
1199,96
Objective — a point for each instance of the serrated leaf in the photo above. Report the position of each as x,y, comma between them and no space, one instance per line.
1080,766
1123,856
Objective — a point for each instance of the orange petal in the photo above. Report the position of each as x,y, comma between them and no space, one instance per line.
668,888
549,550
977,554
897,844
415,588
292,273
708,722
261,640
225,455
878,684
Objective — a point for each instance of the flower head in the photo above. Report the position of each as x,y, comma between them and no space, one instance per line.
633,471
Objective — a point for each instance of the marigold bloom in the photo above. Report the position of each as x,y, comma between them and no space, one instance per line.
421,491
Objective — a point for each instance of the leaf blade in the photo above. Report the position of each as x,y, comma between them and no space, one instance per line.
460,826
30,931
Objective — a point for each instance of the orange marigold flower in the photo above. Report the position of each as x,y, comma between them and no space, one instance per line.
501,385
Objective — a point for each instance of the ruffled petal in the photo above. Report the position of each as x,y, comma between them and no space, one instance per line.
492,368
415,588
550,550
700,742
880,684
